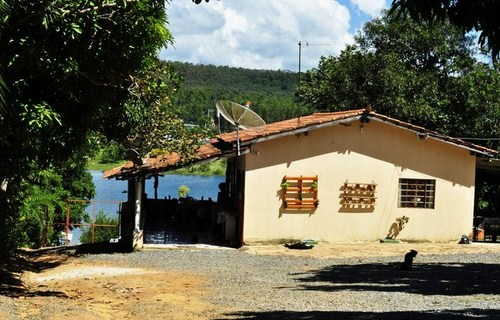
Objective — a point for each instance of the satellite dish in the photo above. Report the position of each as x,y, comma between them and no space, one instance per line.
239,116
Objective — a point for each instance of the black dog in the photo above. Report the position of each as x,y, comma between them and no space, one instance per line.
408,263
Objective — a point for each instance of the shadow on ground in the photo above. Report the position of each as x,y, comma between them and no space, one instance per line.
36,261
487,314
99,248
427,279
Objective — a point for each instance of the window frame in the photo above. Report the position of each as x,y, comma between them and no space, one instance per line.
416,190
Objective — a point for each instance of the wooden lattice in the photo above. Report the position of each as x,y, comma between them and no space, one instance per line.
358,195
300,192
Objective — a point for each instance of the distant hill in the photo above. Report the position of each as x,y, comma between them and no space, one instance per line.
236,78
271,92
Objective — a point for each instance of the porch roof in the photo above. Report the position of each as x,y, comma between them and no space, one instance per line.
161,163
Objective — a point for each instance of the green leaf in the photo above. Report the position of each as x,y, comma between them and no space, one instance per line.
75,27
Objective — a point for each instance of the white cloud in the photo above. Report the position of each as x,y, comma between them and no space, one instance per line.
258,34
370,7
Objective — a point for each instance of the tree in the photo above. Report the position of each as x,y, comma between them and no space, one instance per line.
271,93
468,15
426,75
423,74
152,122
45,203
42,203
66,68
112,152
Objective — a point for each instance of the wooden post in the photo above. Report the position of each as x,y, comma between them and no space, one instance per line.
138,203
156,186
137,233
93,232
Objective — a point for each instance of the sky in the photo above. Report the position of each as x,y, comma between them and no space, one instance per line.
264,34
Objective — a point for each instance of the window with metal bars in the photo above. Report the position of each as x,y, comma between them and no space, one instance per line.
417,193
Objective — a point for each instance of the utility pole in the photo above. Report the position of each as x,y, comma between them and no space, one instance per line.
300,56
307,44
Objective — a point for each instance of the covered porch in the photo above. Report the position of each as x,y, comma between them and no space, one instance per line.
146,219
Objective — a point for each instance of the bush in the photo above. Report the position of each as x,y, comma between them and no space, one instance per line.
102,234
112,153
214,168
183,191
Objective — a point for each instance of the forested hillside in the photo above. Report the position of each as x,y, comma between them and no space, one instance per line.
270,92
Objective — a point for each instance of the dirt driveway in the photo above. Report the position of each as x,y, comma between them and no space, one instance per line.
81,290
257,282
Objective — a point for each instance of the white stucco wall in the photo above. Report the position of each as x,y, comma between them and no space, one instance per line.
376,153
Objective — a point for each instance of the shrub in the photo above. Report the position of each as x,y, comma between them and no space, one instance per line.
112,153
183,191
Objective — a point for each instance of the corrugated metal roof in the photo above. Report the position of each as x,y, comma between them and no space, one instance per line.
224,143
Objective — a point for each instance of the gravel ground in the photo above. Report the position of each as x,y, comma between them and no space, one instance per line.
7,307
86,273
459,286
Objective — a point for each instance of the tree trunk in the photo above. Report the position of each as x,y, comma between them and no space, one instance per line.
45,230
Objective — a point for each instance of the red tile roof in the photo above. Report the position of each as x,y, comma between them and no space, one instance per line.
315,119
223,144
288,125
161,163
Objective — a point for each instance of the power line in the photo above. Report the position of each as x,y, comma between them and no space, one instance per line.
308,44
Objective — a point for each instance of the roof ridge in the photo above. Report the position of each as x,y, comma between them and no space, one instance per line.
434,133
337,112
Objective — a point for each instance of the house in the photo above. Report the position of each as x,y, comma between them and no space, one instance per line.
340,176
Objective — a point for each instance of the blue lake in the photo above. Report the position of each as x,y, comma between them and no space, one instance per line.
110,192
116,190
